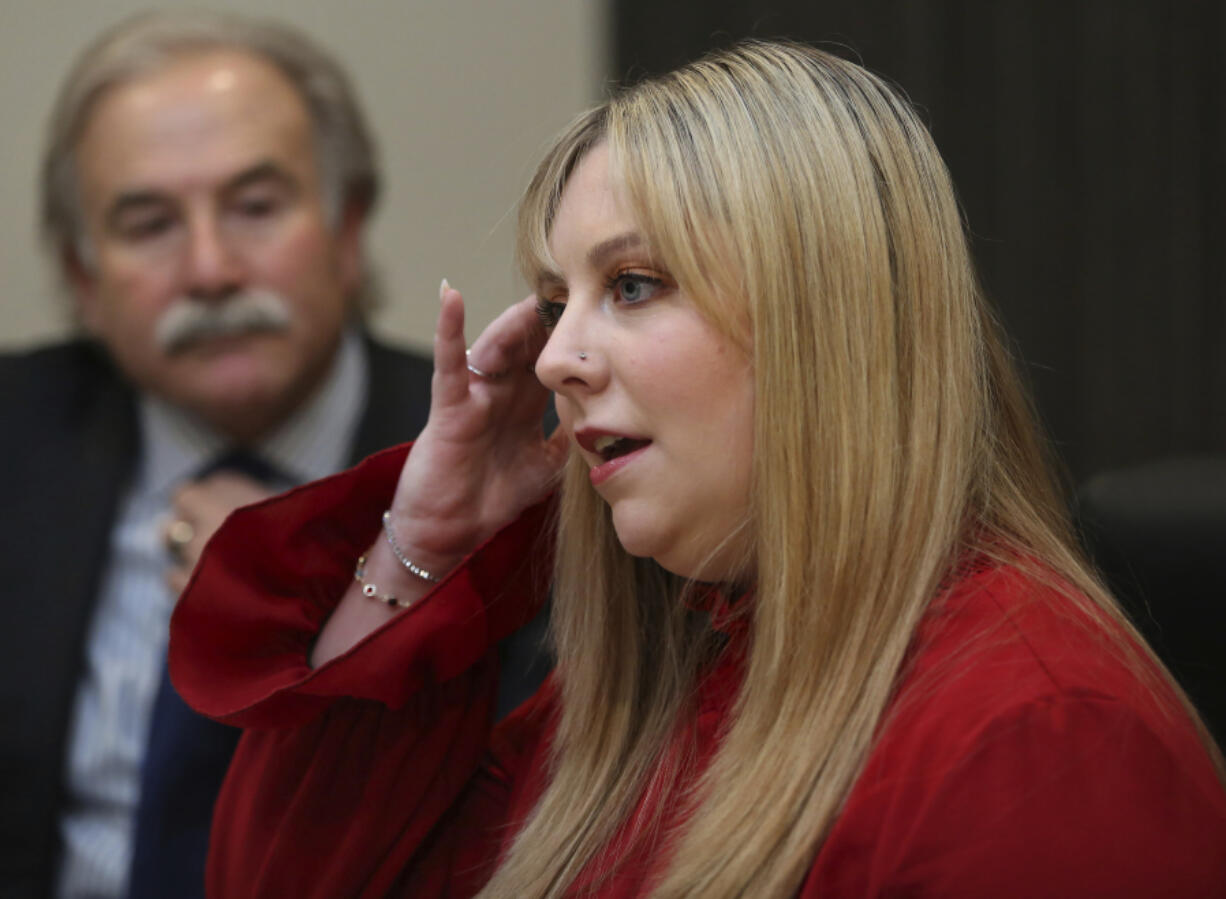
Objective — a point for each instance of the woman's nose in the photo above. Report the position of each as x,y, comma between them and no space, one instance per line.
572,359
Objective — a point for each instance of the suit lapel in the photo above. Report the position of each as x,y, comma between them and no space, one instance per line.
397,400
78,450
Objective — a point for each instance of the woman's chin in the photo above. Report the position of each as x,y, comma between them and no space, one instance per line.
644,543
678,563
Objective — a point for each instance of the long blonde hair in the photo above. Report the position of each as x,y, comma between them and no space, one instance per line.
801,204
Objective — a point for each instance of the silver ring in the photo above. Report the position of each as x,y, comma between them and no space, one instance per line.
178,535
488,375
582,356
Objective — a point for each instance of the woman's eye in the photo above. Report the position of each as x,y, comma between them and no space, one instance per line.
549,312
635,288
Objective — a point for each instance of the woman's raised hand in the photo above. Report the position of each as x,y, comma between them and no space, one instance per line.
482,457
479,462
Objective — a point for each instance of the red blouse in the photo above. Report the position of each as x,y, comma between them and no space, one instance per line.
1020,756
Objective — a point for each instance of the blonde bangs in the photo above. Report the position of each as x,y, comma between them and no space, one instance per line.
539,204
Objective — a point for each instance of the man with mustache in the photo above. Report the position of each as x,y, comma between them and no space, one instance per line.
206,184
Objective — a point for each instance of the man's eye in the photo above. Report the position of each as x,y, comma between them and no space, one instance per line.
257,207
632,287
549,312
144,228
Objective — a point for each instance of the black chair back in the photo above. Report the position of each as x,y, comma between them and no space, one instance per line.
1158,534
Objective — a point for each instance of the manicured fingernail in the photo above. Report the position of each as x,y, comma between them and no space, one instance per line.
443,288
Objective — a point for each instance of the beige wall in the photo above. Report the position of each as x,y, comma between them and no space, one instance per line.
461,94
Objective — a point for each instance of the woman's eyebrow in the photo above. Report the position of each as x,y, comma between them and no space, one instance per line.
547,282
597,255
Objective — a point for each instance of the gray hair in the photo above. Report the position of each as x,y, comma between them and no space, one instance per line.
144,43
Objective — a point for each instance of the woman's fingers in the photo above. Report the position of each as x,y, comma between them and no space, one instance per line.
450,385
493,417
511,343
508,346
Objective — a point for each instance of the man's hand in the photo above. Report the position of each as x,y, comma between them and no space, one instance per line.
197,510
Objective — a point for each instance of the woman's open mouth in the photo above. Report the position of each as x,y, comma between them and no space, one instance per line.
615,451
611,447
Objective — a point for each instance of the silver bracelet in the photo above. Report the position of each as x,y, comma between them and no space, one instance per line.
399,553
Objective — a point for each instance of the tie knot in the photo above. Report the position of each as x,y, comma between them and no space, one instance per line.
243,462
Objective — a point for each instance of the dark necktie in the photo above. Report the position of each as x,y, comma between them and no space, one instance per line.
185,762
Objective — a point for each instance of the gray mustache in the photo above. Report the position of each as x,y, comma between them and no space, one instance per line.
188,321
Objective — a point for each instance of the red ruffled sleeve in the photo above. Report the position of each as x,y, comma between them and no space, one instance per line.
370,775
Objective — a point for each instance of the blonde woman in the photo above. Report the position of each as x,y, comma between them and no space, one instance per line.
820,628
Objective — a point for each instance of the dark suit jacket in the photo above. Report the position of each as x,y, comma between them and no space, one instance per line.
69,446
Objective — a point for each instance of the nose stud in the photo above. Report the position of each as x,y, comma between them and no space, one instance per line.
582,356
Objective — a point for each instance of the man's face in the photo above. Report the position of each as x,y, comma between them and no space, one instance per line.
211,270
